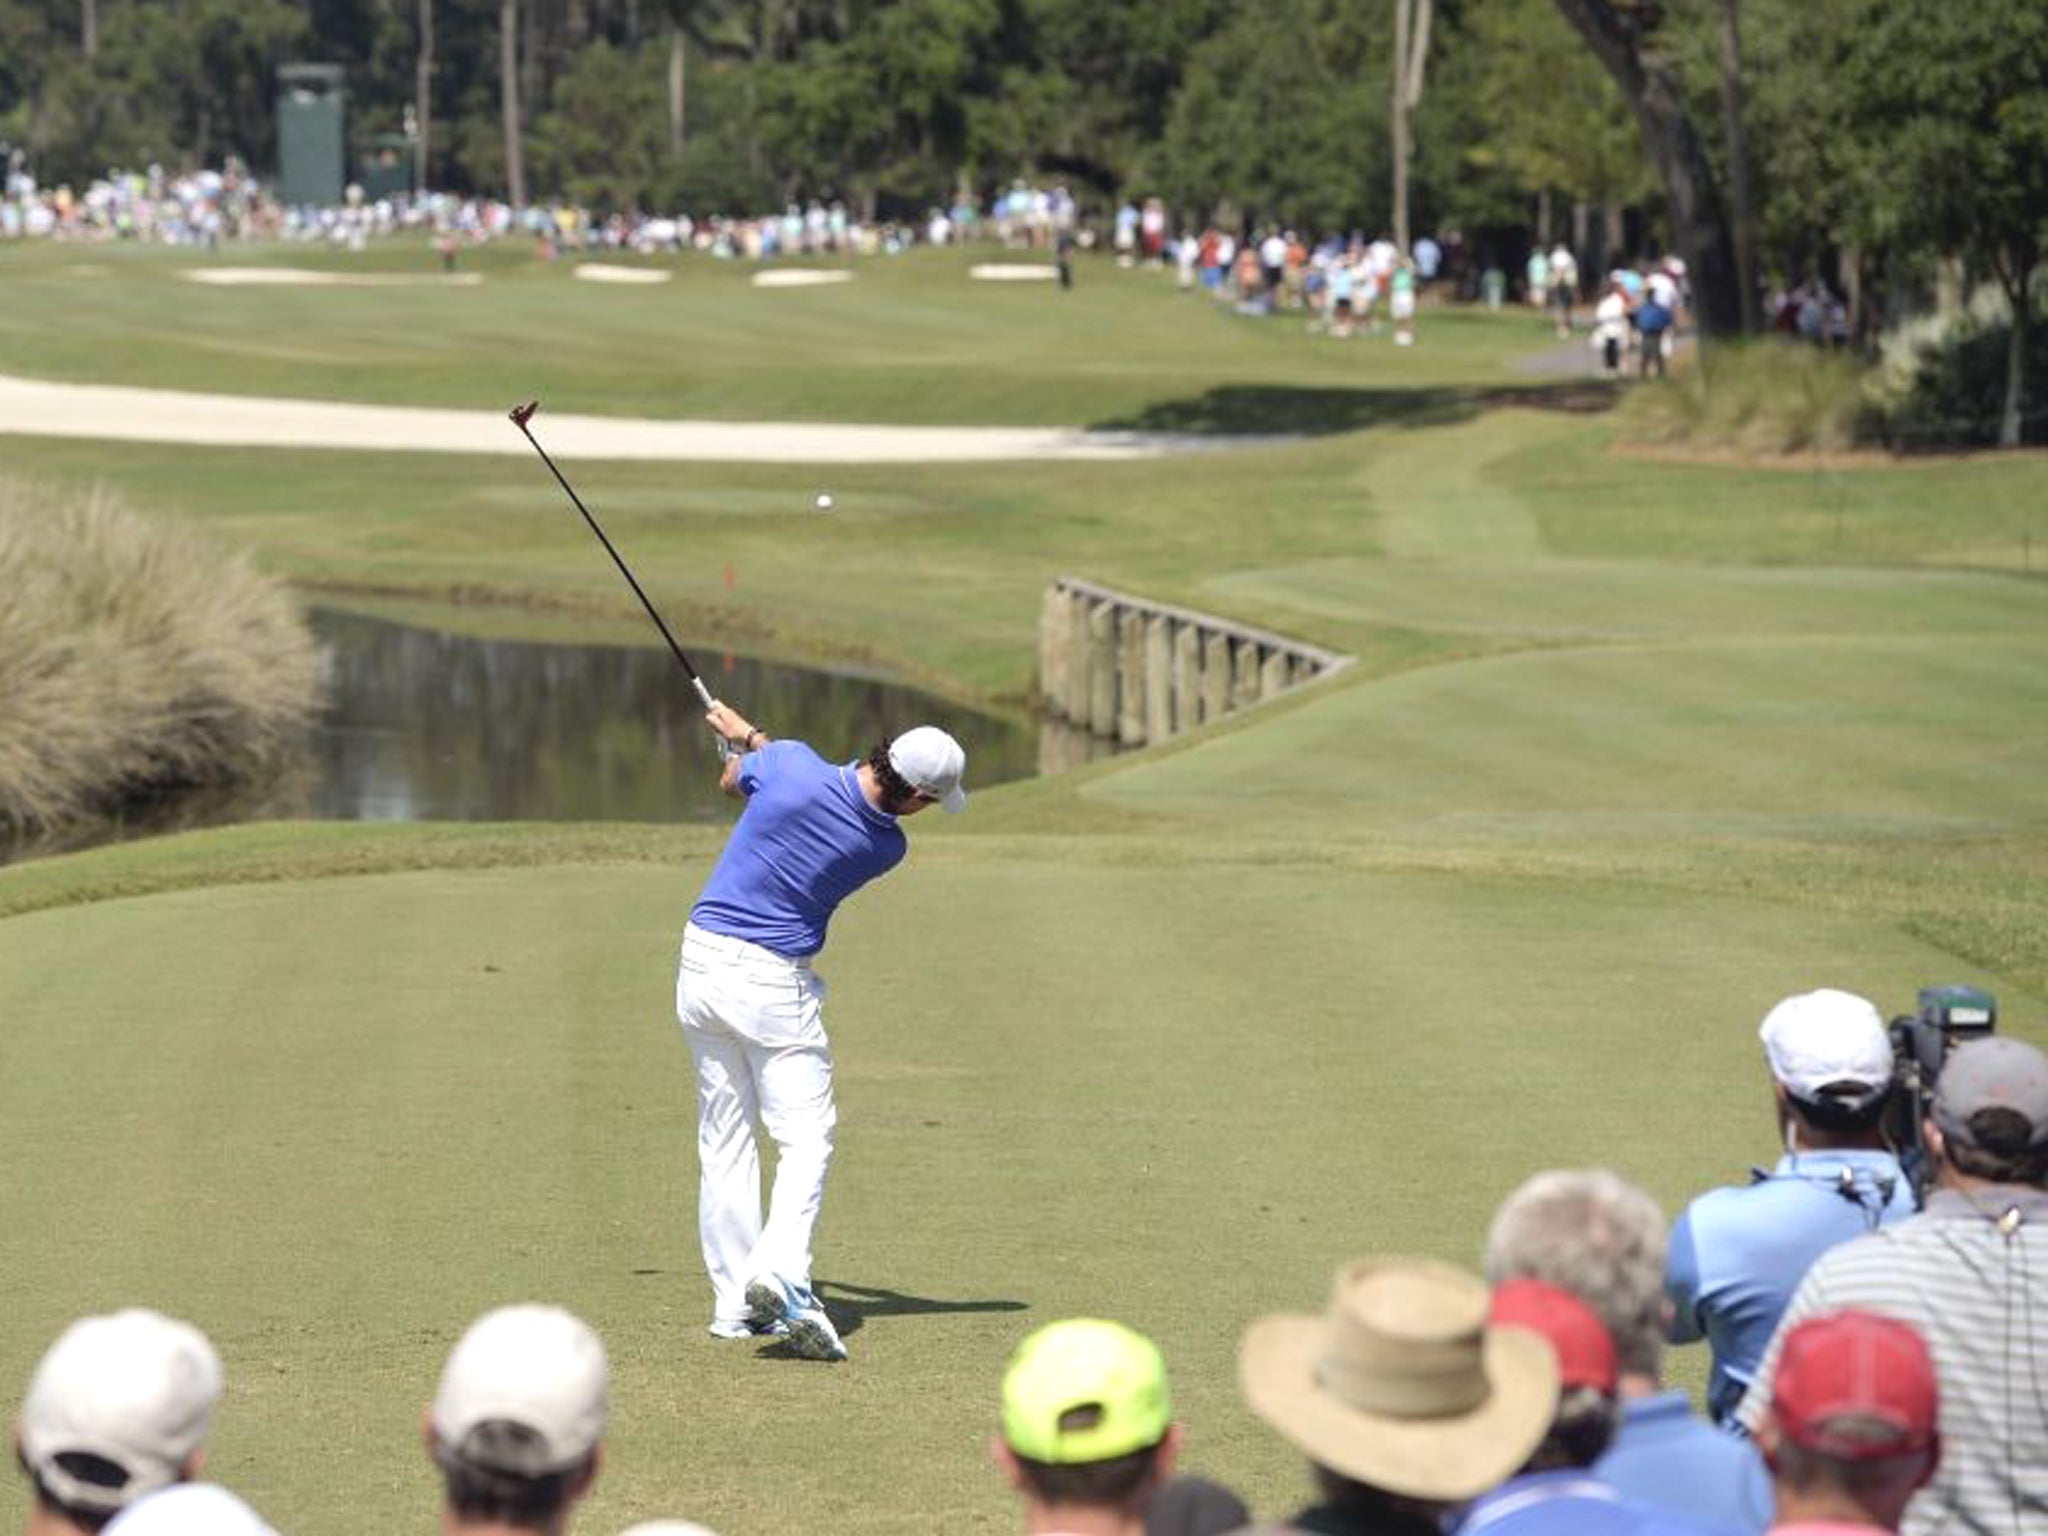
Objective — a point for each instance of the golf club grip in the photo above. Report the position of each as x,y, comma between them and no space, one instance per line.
703,692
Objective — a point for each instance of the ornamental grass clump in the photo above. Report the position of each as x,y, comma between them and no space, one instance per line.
137,660
1764,398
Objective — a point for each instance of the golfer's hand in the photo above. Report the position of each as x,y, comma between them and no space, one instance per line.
730,726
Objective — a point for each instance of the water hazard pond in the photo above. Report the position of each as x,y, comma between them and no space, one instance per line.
425,725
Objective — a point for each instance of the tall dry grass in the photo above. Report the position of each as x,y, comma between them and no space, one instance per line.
1762,397
136,659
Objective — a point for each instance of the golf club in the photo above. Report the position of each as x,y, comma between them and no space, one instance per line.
521,415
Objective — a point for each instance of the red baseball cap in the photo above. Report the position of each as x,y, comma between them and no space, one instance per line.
1584,1348
1856,1365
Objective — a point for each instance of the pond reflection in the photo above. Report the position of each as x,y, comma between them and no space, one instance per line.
426,725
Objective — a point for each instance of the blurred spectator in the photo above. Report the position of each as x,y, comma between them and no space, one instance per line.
1087,1428
1555,1493
1967,1275
1194,1506
189,1509
1602,1239
118,1408
1405,1401
1653,325
1564,286
1429,260
1851,1429
1612,332
1738,1254
518,1423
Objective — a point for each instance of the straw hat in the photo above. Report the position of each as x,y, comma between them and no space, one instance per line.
1401,1384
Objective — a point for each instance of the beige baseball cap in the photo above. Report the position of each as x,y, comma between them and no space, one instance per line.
539,1370
134,1389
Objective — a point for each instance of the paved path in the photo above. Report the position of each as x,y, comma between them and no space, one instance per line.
35,408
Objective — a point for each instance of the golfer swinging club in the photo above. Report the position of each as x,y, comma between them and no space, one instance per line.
748,1001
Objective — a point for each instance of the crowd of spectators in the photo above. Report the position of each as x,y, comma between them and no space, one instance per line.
1876,1360
1343,285
212,207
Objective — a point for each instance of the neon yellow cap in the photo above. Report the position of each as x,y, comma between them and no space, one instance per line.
1085,1390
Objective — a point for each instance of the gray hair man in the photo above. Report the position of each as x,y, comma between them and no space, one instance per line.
1595,1235
1966,1274
518,1423
118,1408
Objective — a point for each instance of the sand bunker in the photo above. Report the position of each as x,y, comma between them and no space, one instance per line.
1011,272
801,277
306,277
604,272
31,407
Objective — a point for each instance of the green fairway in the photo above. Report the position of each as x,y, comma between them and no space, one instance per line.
390,1102
909,339
1632,749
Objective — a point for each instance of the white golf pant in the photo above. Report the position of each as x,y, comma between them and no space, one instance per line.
757,1034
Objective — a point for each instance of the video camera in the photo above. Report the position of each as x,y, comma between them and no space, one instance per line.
1921,1042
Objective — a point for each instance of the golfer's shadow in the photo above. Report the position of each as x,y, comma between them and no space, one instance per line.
850,1306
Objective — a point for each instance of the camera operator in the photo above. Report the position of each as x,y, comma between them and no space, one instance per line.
1968,1273
1738,1254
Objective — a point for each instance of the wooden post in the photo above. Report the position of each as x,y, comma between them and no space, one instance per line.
1102,669
1215,675
1187,677
1244,681
1130,677
1052,648
1158,677
1273,674
1080,651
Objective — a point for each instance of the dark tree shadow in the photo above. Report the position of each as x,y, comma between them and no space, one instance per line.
1279,410
850,1306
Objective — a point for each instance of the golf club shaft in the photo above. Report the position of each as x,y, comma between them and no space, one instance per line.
521,415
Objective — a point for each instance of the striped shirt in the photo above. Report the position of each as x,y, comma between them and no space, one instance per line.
1971,1274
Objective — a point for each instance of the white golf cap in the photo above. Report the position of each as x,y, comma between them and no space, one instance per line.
1818,1040
134,1389
668,1528
931,761
539,1370
190,1509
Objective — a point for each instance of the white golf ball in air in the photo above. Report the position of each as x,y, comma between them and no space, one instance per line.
824,502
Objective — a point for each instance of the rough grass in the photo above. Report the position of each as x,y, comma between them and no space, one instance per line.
136,659
1762,397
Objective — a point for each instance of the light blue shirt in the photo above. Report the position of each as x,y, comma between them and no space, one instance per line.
1566,1503
1737,1255
1667,1457
807,840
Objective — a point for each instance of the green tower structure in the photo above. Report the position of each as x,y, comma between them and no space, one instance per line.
312,136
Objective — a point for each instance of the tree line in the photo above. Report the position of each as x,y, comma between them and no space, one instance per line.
1870,139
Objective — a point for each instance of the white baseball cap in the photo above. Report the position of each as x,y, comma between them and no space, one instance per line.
1817,1040
190,1509
133,1388
538,1368
932,762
